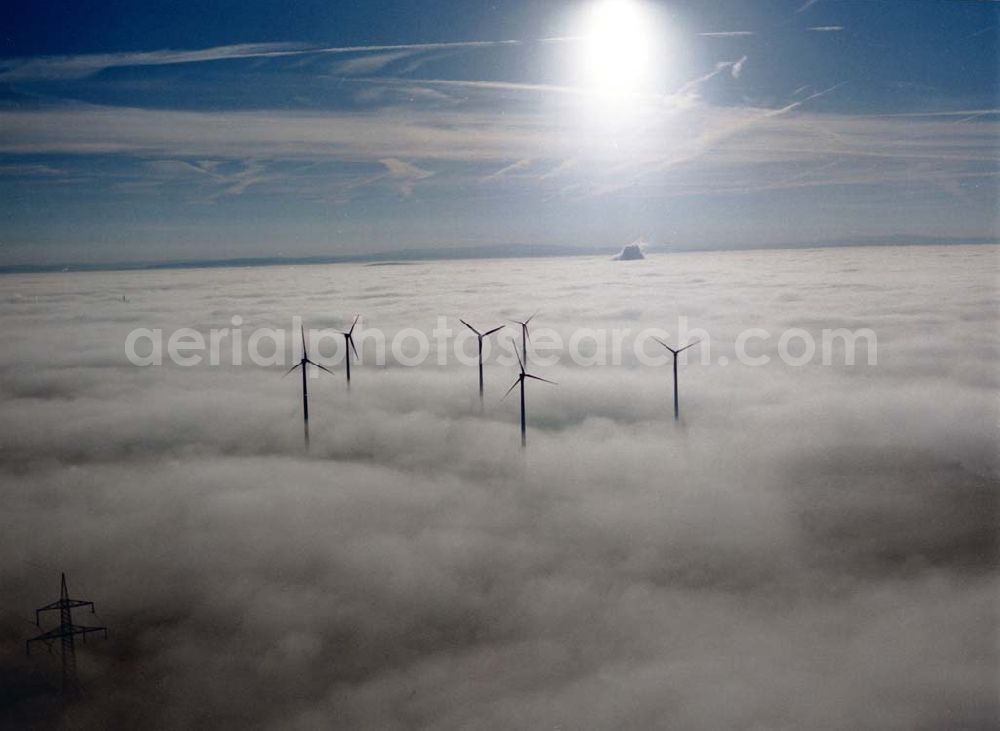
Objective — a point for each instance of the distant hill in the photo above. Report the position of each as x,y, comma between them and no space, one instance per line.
504,251
630,252
894,240
498,251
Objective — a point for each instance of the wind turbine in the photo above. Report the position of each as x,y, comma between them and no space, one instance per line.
524,337
305,390
348,347
480,337
520,382
677,413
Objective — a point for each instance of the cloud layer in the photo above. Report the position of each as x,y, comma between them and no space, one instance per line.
811,547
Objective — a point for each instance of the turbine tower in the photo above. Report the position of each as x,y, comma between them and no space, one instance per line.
305,389
480,337
65,632
348,347
677,412
524,338
520,382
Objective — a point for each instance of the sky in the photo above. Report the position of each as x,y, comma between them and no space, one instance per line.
135,131
809,547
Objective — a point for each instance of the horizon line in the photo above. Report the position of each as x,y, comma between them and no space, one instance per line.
469,253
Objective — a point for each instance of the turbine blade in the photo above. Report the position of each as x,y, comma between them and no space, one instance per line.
531,318
689,346
356,318
470,327
305,353
665,346
519,359
490,332
511,388
292,369
322,368
538,378
350,341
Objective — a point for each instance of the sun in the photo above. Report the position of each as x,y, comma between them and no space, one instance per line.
617,47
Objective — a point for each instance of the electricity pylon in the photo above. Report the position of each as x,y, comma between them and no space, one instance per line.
65,632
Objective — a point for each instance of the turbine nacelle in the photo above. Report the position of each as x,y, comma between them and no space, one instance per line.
481,335
305,361
679,350
524,374
305,358
524,324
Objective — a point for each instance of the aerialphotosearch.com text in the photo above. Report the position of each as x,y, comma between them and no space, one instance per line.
450,341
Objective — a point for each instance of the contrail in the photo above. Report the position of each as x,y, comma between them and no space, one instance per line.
796,105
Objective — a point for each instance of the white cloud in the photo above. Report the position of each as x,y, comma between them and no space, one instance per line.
80,66
506,169
469,142
83,65
368,64
404,174
737,69
811,547
691,88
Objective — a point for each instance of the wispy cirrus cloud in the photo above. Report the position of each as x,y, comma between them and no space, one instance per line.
796,104
559,169
82,65
454,121
369,64
507,169
461,134
683,95
208,180
947,113
737,69
30,170
404,174
482,85
690,88
826,28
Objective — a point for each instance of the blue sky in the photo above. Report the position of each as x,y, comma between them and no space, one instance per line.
164,130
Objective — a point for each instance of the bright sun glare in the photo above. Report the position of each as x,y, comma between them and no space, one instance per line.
617,47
